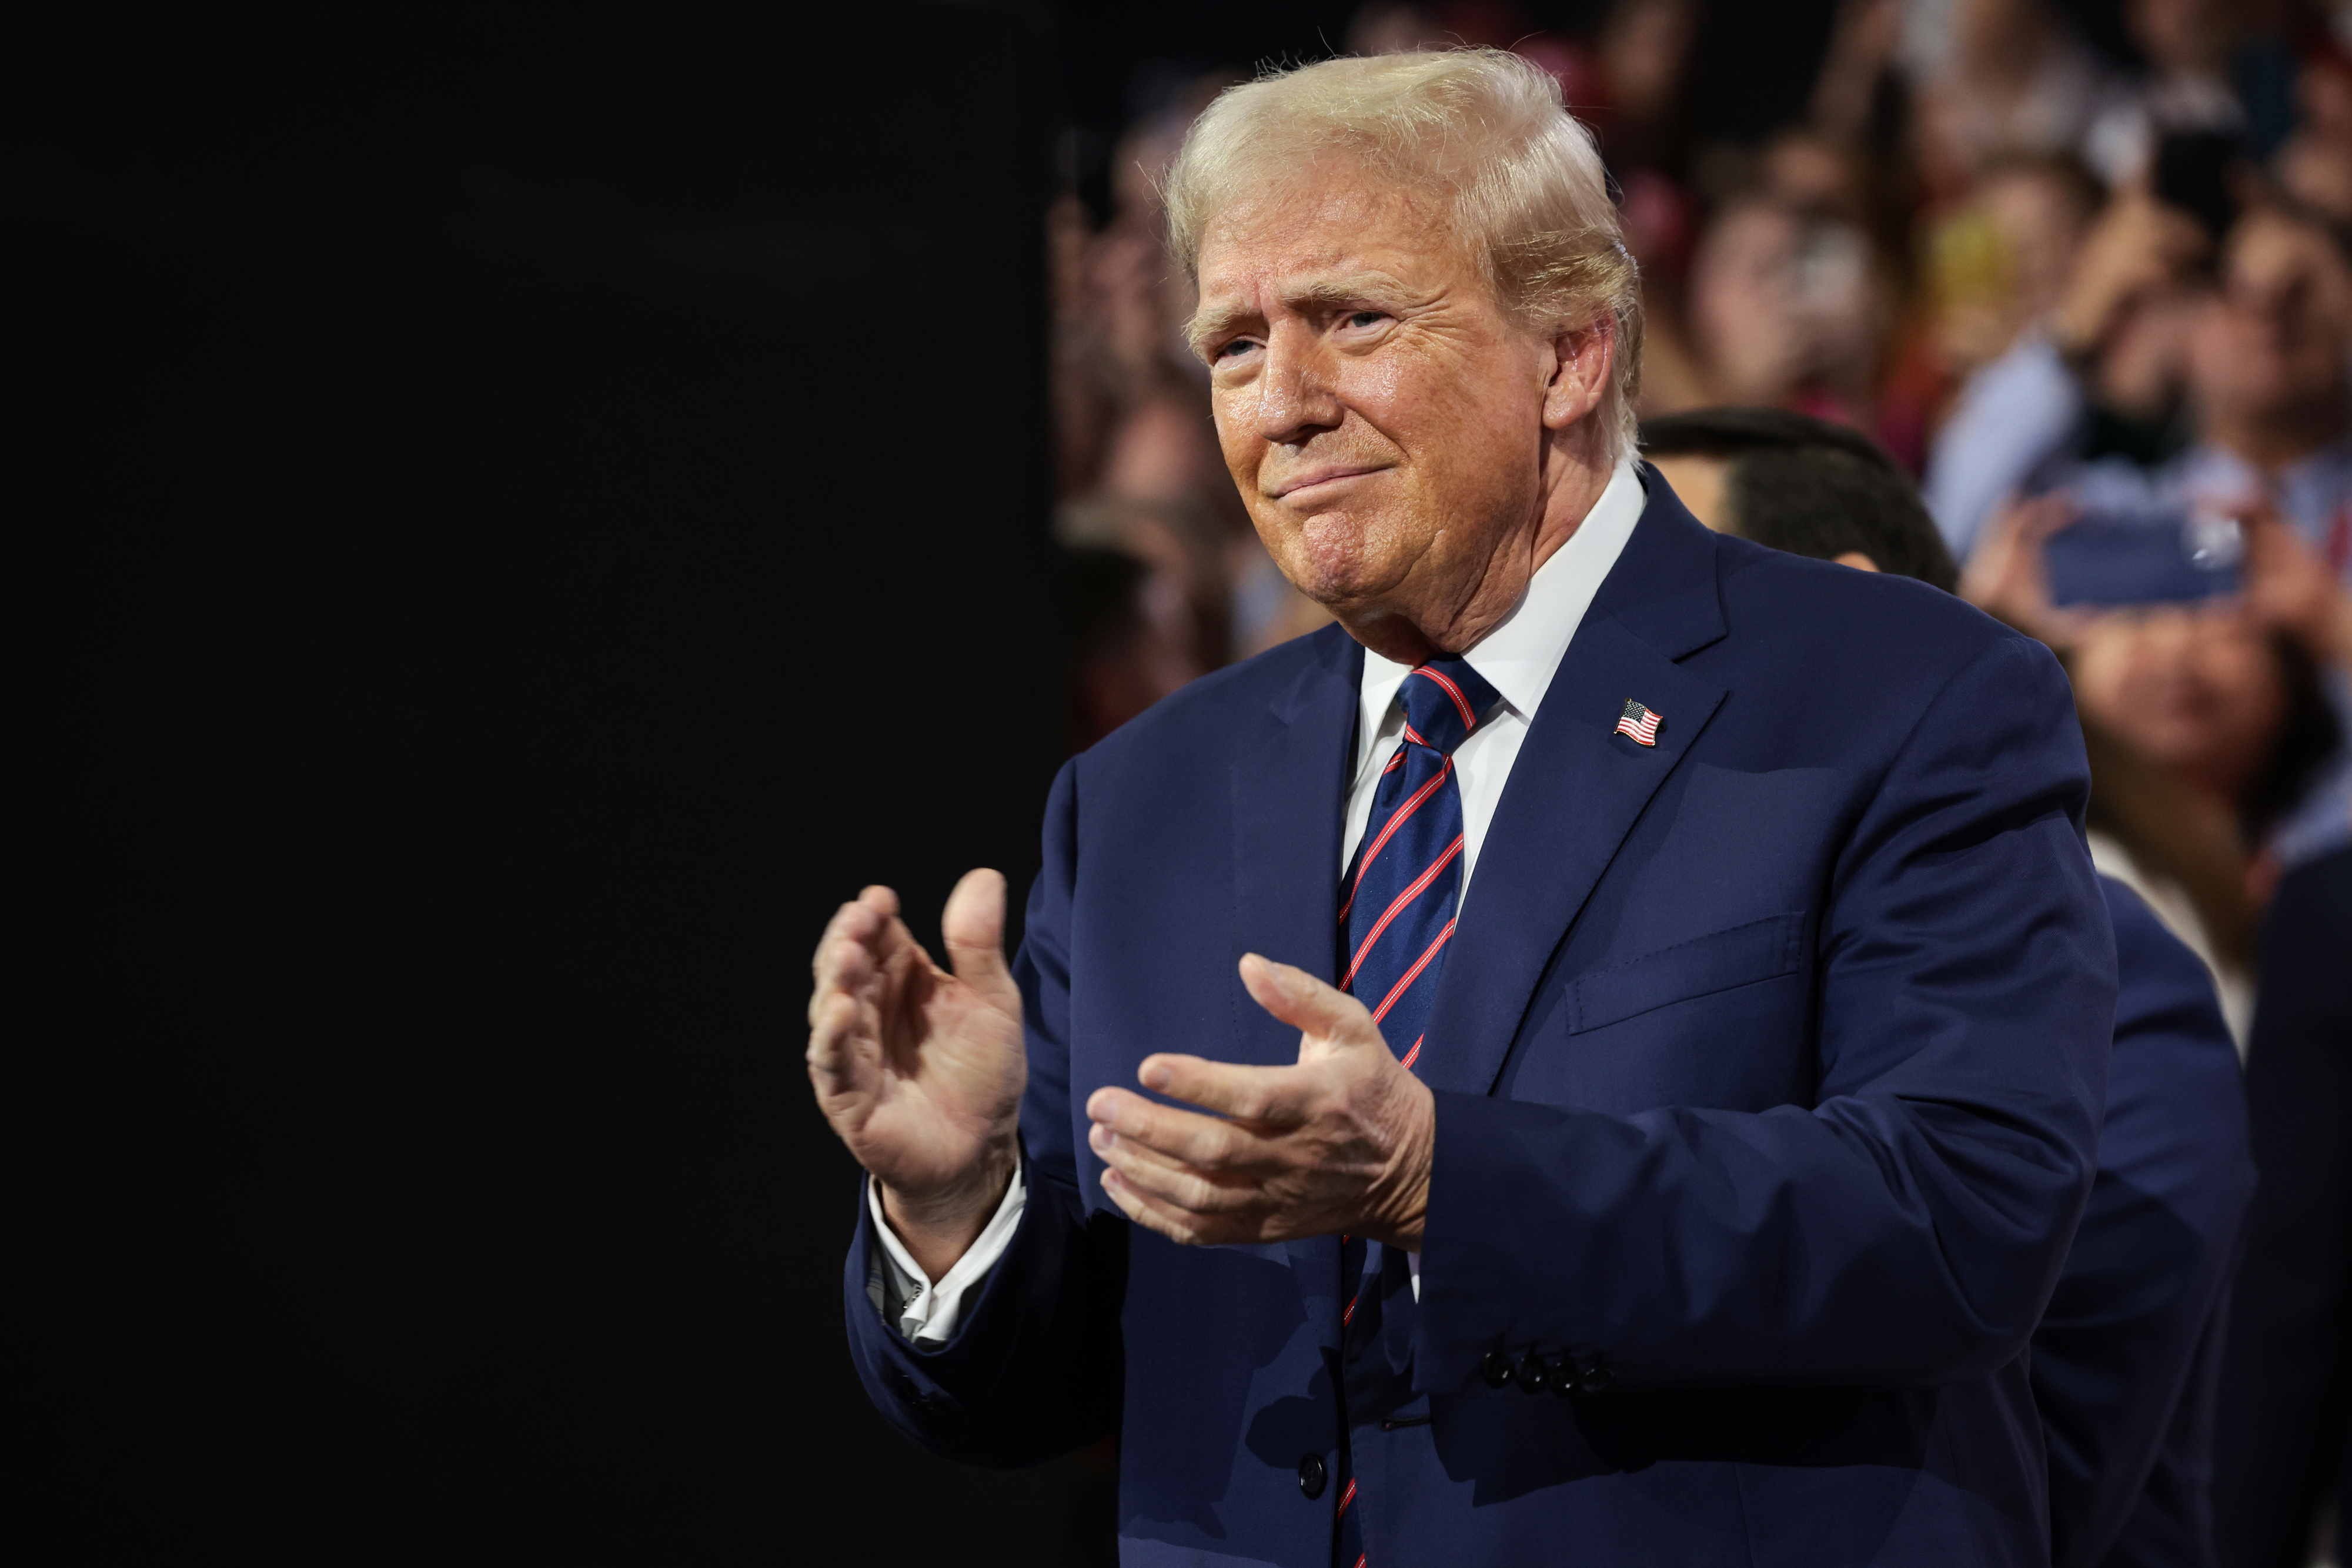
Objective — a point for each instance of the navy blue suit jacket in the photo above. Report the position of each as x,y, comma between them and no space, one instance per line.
1768,1065
2126,1363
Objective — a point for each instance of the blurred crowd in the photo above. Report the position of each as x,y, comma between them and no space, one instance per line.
2093,295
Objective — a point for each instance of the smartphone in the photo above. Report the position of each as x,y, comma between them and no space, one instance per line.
2154,557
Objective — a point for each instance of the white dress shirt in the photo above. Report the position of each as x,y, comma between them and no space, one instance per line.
1518,658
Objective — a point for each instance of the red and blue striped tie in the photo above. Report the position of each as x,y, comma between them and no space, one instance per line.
1397,904
1396,908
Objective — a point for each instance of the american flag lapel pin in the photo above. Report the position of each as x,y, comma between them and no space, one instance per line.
1640,722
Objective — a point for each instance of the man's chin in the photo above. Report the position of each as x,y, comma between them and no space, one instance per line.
1337,589
1328,559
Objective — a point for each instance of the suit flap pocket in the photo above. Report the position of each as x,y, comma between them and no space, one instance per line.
1760,950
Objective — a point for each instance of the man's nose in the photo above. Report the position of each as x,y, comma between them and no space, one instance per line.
1296,396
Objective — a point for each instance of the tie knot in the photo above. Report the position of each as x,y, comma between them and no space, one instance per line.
1444,701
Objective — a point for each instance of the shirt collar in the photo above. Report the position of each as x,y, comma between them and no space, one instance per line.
1521,654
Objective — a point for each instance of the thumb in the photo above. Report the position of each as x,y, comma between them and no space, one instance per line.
1319,1011
973,928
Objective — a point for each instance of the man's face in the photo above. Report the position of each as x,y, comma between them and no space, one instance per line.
1380,414
2273,335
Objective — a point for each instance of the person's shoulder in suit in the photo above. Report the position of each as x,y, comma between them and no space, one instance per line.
1850,666
1202,713
1880,627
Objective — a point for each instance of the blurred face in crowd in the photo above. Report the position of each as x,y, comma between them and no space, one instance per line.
2180,35
2041,220
2002,261
1743,304
1645,44
2269,346
2195,688
1776,296
1391,428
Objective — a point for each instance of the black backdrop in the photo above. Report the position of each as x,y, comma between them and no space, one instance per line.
547,505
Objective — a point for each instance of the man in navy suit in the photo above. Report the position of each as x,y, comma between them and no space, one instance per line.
1709,1088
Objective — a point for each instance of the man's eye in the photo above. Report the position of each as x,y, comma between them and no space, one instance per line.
1368,318
1238,346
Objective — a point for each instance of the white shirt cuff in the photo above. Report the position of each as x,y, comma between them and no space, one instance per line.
927,1311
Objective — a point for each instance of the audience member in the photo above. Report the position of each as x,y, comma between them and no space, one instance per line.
2000,262
2004,76
1800,485
2240,696
2259,349
2222,745
2125,1359
2315,165
1784,307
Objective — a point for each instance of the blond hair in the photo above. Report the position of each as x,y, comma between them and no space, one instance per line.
1483,129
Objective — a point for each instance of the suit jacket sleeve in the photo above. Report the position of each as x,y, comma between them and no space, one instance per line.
1906,1228
1033,1369
2137,1312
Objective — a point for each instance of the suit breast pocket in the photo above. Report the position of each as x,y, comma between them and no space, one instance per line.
1720,961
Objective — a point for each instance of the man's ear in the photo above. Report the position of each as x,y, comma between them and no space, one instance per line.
1582,360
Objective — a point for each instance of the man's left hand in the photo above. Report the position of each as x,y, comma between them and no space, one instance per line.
1339,1144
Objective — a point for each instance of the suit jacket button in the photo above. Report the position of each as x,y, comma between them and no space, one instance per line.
1496,1369
1533,1375
1311,1475
1597,1379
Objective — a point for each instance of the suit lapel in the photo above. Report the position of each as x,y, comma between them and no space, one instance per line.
1577,787
1289,785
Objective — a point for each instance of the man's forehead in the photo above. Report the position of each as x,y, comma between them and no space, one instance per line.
1301,239
1308,278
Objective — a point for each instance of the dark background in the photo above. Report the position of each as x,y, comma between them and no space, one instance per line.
522,511
539,508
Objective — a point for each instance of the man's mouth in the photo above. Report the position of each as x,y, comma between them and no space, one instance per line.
1303,484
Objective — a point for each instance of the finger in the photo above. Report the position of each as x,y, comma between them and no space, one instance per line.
849,923
1156,1213
888,947
1179,1184
2043,516
1205,1142
973,928
1277,1096
845,966
1306,1004
865,921
836,1066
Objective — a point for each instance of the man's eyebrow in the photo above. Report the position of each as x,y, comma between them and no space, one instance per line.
1211,321
1347,288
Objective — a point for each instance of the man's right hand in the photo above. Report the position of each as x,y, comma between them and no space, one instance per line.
918,1069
